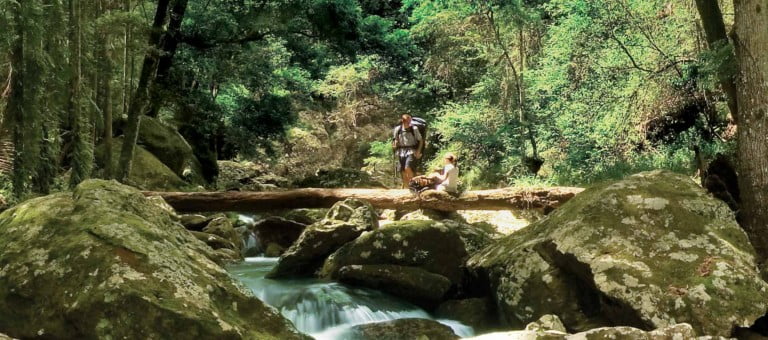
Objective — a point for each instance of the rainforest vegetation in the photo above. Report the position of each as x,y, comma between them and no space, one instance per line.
560,92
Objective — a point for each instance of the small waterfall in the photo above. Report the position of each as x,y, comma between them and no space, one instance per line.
327,310
251,244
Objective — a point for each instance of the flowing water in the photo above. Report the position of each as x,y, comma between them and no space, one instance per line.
327,310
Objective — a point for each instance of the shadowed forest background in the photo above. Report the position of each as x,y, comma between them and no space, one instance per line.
593,89
524,92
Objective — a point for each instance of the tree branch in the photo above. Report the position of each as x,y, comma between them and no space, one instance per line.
631,58
200,43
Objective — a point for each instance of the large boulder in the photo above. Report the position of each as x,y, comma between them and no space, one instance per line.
147,171
404,329
412,283
167,144
247,176
304,216
679,331
344,222
339,178
105,262
649,251
674,332
277,232
479,313
221,226
429,246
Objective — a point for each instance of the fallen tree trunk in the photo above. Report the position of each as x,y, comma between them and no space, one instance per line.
544,199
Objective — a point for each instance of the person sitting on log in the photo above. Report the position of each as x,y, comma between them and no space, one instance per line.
449,178
442,179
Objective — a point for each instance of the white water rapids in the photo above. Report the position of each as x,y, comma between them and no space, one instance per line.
327,310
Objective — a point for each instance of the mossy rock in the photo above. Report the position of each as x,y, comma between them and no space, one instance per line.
221,226
277,231
479,313
428,245
339,178
273,250
304,216
648,251
404,329
545,323
410,283
679,331
194,222
170,148
104,262
247,176
147,172
344,222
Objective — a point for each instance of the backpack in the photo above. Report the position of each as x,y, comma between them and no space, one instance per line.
422,183
418,123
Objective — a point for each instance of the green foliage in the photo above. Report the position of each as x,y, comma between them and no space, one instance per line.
597,88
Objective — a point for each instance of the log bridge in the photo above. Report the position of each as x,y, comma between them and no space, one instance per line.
543,199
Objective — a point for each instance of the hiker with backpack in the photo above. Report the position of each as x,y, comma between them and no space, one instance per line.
408,144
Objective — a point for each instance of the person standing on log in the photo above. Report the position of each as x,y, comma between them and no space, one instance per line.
407,142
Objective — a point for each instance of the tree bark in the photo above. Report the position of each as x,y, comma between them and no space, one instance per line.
15,106
714,29
170,43
82,137
141,96
751,41
105,102
496,199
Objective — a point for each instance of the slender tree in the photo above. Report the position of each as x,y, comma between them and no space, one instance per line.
104,94
751,41
714,29
82,141
141,96
170,43
25,109
15,105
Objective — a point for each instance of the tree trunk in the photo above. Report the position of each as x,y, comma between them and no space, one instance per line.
751,42
496,199
15,106
714,28
125,83
82,140
105,102
141,96
170,41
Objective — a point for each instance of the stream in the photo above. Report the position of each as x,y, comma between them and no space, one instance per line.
324,309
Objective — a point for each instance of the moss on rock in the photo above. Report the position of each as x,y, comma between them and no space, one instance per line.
648,251
171,148
344,222
479,313
147,171
404,329
411,283
104,262
428,245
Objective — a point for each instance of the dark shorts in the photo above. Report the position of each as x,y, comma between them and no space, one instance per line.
406,162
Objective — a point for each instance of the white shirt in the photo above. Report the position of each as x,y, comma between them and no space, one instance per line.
451,181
